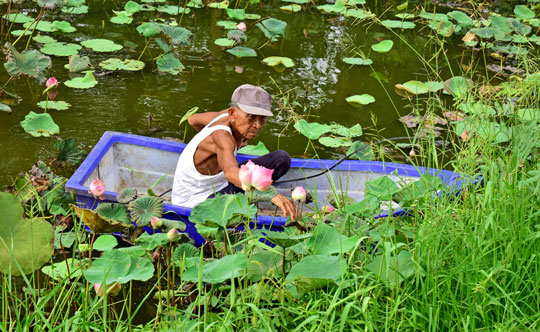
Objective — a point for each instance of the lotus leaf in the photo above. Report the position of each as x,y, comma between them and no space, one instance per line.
518,27
256,150
118,266
364,99
394,24
113,212
461,18
133,251
148,29
17,18
17,33
195,4
151,242
236,35
219,5
413,87
492,131
64,26
334,142
358,13
220,270
65,240
354,131
326,240
54,105
168,63
173,10
60,49
420,192
382,188
278,60
5,108
294,8
501,23
75,10
29,63
253,16
272,28
178,35
126,195
478,109
147,8
358,61
122,17
523,12
101,45
153,1
105,242
361,151
510,49
383,47
457,86
314,272
118,64
43,39
284,239
220,209
78,63
40,125
86,82
486,33
392,269
242,52
337,8
300,2
444,28
97,224
145,207
263,264
405,16
434,86
312,130
224,42
236,14
228,25
528,114
189,113
59,271
26,243
50,4
75,3
131,7
43,26
433,16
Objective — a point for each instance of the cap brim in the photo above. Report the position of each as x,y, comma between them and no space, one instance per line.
255,110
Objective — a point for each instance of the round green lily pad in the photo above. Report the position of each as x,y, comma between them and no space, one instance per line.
364,99
293,8
395,24
17,18
413,87
43,26
358,61
228,25
17,33
242,52
101,45
54,105
224,42
75,10
39,125
383,47
119,64
86,82
43,39
60,49
278,60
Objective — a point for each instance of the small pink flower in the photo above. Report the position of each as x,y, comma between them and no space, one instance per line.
464,135
52,83
97,188
112,289
261,178
299,194
173,235
242,26
156,255
155,222
328,209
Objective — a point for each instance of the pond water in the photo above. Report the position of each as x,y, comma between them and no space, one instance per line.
317,85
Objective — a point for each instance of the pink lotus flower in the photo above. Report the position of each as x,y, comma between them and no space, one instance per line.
155,222
242,26
464,135
255,176
97,188
173,235
52,83
328,209
299,194
112,289
245,174
156,255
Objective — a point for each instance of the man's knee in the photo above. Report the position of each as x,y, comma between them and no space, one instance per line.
283,159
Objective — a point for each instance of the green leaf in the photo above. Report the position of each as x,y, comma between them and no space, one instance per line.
394,24
105,242
457,86
97,224
173,10
257,150
478,109
334,142
151,242
131,7
40,125
126,195
113,212
237,35
293,8
263,264
528,114
413,87
122,17
224,42
219,5
78,63
314,272
312,130
523,12
59,271
118,266
383,47
361,151
357,100
43,39
236,14
60,49
242,52
273,61
177,35
145,207
220,209
86,82
17,18
119,64
392,269
189,113
30,63
228,25
43,26
358,61
284,239
64,26
434,86
75,10
461,18
354,131
382,188
168,63
300,2
420,192
326,240
220,270
148,29
54,105
101,45
24,243
272,28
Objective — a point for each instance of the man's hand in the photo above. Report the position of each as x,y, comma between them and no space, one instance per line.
286,205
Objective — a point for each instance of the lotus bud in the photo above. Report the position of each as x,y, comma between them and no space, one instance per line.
112,289
242,26
173,235
96,188
84,247
412,153
261,178
464,135
299,194
156,255
155,222
52,83
328,209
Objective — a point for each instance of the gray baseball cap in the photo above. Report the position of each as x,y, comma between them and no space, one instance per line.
253,100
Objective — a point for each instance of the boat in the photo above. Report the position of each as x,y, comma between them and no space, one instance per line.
123,160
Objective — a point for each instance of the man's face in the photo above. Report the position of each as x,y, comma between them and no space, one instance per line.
248,125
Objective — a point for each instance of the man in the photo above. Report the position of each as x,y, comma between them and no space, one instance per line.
208,164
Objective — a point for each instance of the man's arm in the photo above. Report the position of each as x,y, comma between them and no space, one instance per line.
200,120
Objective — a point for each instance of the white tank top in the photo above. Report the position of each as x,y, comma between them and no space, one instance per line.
191,187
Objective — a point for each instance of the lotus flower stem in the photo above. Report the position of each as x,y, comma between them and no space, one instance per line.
36,20
283,261
183,12
144,49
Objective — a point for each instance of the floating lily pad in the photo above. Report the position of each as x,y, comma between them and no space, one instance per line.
168,63
131,7
101,45
354,131
461,18
78,63
272,28
86,82
17,33
228,25
219,5
413,87
278,60
54,105
242,52
364,99
118,64
75,10
237,35
43,26
60,49
59,271
358,13
173,10
224,42
312,130
405,16
383,47
43,39
457,86
293,8
105,242
434,86
300,2
17,18
148,29
122,17
40,125
219,270
195,4
358,61
64,26
523,12
177,35
236,14
394,24
334,142
256,150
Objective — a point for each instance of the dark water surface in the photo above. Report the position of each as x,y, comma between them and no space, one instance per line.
318,83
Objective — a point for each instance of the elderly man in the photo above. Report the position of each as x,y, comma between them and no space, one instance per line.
208,164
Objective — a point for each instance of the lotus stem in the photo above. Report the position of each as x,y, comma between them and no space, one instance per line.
183,12
34,21
283,261
144,49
